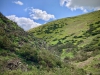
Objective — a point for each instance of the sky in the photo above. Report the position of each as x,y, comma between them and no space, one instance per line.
32,13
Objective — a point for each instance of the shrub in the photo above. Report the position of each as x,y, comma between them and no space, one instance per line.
5,42
39,57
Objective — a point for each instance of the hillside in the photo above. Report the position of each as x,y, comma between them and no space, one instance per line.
70,29
21,53
74,39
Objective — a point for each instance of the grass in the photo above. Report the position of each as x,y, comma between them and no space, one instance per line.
75,25
66,54
94,64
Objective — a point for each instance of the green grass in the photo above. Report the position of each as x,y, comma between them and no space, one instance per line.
66,54
94,67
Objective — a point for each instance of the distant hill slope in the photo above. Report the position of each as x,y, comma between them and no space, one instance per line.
73,32
76,39
73,29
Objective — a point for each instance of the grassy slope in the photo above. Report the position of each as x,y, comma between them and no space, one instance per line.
77,38
66,29
91,65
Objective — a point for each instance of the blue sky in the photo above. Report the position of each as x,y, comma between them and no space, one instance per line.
32,13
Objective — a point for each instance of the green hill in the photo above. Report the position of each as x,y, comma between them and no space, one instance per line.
73,29
75,39
21,53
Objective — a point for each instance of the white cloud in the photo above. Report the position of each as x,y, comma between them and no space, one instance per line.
40,14
84,5
18,2
25,23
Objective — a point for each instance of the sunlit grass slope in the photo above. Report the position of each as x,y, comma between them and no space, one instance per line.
71,29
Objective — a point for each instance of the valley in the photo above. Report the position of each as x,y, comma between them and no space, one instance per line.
67,46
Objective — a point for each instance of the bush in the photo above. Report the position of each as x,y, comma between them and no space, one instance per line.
28,53
5,42
39,57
